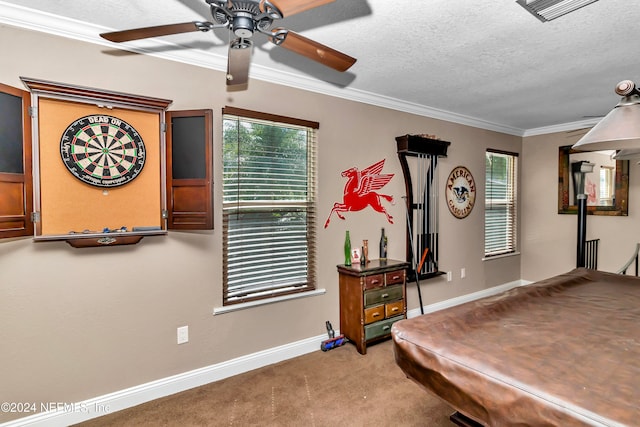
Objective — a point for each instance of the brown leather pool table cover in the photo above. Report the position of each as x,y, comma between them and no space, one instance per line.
560,352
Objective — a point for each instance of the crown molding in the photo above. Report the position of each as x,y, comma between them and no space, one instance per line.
31,19
563,127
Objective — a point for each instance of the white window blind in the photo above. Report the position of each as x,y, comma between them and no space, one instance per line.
607,178
501,207
269,213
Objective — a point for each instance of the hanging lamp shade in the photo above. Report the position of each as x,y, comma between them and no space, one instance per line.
627,154
620,129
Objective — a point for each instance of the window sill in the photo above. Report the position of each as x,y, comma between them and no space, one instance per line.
501,256
242,306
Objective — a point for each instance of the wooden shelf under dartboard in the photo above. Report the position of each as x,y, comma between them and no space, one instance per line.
89,240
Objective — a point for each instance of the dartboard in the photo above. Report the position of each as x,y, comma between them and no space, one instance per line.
103,151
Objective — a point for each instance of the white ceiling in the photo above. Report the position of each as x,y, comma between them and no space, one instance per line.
487,63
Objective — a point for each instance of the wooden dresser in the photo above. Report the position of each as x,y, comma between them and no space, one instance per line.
372,298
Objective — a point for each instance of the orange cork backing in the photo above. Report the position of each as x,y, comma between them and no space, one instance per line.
69,204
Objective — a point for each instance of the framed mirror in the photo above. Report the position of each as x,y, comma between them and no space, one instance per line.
607,187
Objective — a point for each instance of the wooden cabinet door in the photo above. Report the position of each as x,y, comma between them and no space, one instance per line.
190,169
16,184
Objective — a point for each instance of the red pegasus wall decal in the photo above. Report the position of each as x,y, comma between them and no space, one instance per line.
359,191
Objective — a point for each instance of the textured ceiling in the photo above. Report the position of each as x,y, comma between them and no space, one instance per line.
487,63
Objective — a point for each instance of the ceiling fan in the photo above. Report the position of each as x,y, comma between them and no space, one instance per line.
243,18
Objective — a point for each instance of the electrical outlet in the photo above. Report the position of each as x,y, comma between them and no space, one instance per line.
183,334
463,273
449,276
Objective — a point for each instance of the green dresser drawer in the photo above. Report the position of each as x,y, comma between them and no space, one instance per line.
382,295
381,328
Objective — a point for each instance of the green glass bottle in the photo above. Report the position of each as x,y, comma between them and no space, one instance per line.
347,249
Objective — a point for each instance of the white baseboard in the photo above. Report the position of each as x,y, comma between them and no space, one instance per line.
71,413
466,298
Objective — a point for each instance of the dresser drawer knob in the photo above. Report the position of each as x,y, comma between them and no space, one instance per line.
386,328
395,277
376,314
384,296
394,309
375,281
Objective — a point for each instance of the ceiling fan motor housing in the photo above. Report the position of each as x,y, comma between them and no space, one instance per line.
243,25
244,17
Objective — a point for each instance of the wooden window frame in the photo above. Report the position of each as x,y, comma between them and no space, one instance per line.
277,291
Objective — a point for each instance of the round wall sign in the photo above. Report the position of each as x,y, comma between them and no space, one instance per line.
103,151
461,192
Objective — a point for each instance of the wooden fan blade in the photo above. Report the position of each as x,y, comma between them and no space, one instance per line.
291,7
238,63
315,51
147,32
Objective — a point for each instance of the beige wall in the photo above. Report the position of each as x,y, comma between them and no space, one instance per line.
548,238
79,323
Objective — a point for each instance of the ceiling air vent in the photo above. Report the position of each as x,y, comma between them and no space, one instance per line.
547,10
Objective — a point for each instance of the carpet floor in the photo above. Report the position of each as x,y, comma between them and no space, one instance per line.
338,387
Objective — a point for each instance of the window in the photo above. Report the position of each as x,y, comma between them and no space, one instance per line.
269,212
500,218
607,178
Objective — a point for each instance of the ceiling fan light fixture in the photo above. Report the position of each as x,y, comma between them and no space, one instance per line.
240,43
547,10
238,62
